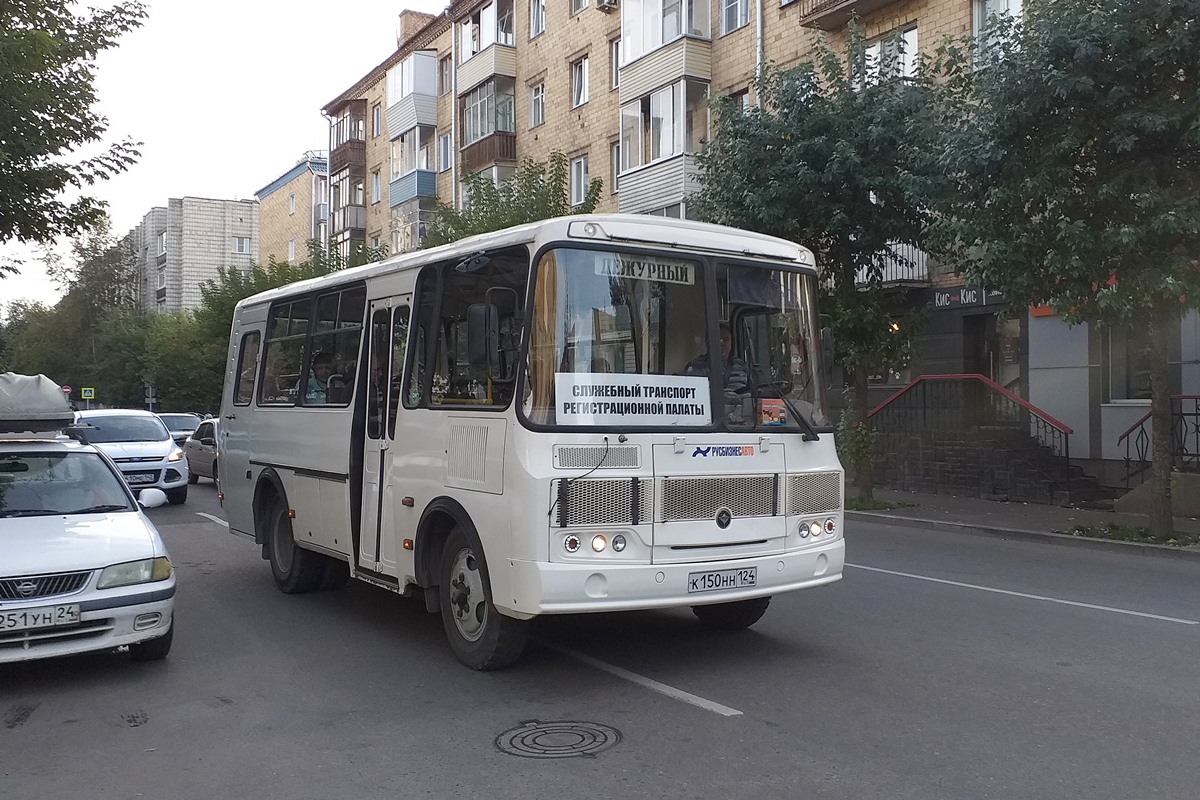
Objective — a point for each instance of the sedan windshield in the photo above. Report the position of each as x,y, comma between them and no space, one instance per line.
106,429
42,484
630,340
177,423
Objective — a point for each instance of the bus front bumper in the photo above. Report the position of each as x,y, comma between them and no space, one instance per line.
553,588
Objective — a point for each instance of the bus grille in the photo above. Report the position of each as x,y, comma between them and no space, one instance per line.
619,501
702,498
596,457
811,492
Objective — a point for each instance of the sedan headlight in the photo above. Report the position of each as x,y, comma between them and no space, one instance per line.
176,455
131,572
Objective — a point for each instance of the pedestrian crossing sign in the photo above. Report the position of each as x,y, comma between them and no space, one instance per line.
87,393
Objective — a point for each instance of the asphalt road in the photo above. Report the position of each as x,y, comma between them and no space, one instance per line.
943,666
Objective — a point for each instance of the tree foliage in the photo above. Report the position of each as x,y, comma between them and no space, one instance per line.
829,160
1072,156
47,55
538,190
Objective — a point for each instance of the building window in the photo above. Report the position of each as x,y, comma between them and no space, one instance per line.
292,249
445,75
578,5
983,11
614,165
741,100
614,61
376,187
664,123
292,203
376,120
579,82
162,243
490,24
241,244
734,14
891,56
412,150
445,152
487,109
537,17
579,180
647,25
162,278
537,105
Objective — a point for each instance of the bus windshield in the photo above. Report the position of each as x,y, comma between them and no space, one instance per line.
622,340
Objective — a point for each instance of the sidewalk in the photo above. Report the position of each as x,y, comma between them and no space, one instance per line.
1015,520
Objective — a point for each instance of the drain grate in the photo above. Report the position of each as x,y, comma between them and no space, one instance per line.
560,739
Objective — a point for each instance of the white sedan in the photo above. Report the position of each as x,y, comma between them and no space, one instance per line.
81,566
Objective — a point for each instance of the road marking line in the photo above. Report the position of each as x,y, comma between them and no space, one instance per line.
217,520
649,683
1028,596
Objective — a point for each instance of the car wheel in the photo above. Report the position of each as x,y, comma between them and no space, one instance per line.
153,649
296,570
193,477
177,496
734,616
479,635
216,481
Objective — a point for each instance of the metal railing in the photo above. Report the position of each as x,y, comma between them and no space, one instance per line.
954,403
1185,440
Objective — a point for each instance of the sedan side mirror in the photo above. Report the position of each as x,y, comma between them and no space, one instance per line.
151,498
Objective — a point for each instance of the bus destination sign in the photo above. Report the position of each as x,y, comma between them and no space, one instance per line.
605,398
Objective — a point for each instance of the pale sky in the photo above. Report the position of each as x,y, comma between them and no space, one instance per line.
225,96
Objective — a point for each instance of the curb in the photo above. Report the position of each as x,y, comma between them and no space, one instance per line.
1129,548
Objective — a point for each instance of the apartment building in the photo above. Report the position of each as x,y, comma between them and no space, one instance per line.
293,209
183,245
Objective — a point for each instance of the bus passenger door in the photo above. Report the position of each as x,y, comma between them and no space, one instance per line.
389,335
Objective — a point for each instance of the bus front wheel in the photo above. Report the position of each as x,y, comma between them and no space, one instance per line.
734,616
480,636
296,570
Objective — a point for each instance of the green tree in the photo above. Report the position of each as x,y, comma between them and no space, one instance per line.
47,58
538,190
829,160
1072,155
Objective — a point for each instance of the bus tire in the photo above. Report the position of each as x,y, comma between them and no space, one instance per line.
481,637
735,616
296,570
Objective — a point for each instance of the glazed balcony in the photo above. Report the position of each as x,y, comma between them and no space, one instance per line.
496,59
684,57
418,183
658,185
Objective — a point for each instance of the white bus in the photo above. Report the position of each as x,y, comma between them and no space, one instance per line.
585,414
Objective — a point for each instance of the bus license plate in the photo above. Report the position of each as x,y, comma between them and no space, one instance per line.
47,617
722,579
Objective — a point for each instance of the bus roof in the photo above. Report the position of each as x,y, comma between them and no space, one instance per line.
634,229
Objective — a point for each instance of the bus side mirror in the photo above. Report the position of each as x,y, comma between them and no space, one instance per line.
828,350
483,336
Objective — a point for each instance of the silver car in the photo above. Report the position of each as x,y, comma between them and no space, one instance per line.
201,452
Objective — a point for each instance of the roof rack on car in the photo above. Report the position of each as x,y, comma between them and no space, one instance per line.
32,404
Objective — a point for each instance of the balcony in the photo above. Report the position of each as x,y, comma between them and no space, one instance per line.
497,59
499,147
832,15
349,218
351,153
904,265
418,183
657,185
410,111
684,57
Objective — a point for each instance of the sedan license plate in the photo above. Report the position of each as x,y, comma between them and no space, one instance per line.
722,579
48,617
139,478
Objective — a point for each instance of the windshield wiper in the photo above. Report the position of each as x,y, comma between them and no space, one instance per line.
810,434
98,509
26,512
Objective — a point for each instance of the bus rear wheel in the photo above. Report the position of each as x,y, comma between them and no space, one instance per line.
735,616
479,635
296,570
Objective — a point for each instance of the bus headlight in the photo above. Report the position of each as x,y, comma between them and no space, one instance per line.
599,543
618,543
814,528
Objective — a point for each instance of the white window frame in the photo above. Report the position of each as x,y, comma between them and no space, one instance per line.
376,187
579,81
376,120
906,62
578,5
614,171
445,151
292,249
292,203
579,179
537,105
537,18
241,245
614,60
162,243
162,278
647,25
735,15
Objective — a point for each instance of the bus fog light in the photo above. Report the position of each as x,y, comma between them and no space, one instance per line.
830,525
572,543
618,543
599,543
814,528
802,529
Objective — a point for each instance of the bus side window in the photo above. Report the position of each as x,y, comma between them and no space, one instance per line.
396,382
377,377
247,366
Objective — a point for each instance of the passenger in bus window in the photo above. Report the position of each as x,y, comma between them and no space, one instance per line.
319,378
736,371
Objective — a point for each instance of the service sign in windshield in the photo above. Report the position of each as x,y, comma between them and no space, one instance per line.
644,268
619,400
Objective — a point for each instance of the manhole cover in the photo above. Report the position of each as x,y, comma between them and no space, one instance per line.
562,739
